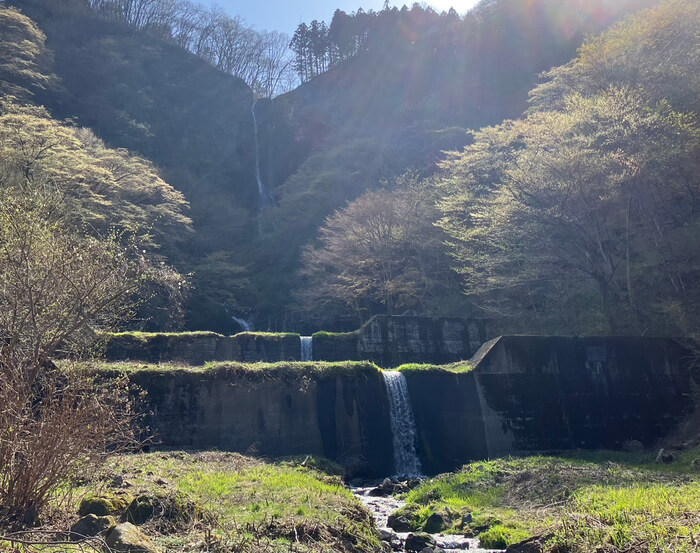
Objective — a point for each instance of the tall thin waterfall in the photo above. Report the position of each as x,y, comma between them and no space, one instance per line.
307,348
245,325
403,425
264,200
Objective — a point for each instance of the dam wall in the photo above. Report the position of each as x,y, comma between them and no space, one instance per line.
518,394
530,394
340,413
388,341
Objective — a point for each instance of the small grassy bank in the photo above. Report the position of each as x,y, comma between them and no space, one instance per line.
238,503
316,369
456,368
605,502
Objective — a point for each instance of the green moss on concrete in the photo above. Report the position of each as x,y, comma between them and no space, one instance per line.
145,336
274,336
454,368
297,369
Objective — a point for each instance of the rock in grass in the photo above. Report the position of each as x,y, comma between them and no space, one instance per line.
530,545
127,538
91,525
633,446
104,505
664,457
419,541
434,524
141,509
399,523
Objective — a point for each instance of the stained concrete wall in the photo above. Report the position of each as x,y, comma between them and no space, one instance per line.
390,341
539,394
387,341
525,394
342,415
197,348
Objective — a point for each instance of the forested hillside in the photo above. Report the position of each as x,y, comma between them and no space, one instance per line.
385,93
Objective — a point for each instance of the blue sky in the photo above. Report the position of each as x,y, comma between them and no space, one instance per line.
285,15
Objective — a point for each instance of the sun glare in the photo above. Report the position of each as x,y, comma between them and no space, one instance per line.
461,6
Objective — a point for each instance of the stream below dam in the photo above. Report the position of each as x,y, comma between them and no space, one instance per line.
382,507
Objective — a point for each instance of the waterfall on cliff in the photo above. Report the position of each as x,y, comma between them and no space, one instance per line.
403,426
307,348
264,200
245,325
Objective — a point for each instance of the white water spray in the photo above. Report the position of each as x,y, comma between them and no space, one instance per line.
245,325
307,345
264,200
403,425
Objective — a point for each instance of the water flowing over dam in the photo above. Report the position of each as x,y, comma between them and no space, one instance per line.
307,348
403,425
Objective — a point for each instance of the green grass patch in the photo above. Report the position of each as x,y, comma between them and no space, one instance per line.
320,369
582,502
244,504
458,367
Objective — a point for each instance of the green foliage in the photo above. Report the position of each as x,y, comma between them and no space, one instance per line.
500,536
24,59
583,194
105,188
382,249
459,367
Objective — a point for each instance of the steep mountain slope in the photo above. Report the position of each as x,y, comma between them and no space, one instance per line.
399,104
395,106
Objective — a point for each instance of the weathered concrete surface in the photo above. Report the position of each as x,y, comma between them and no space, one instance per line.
542,393
538,394
342,416
525,394
448,418
387,341
392,341
192,348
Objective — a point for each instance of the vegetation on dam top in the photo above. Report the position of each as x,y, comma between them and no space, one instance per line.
283,368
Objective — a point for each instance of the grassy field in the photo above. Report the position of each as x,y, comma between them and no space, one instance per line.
600,502
228,502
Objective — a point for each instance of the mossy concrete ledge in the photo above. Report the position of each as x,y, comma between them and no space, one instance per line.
388,341
336,410
197,348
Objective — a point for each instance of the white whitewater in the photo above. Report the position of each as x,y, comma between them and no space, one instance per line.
258,178
403,425
245,325
307,348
